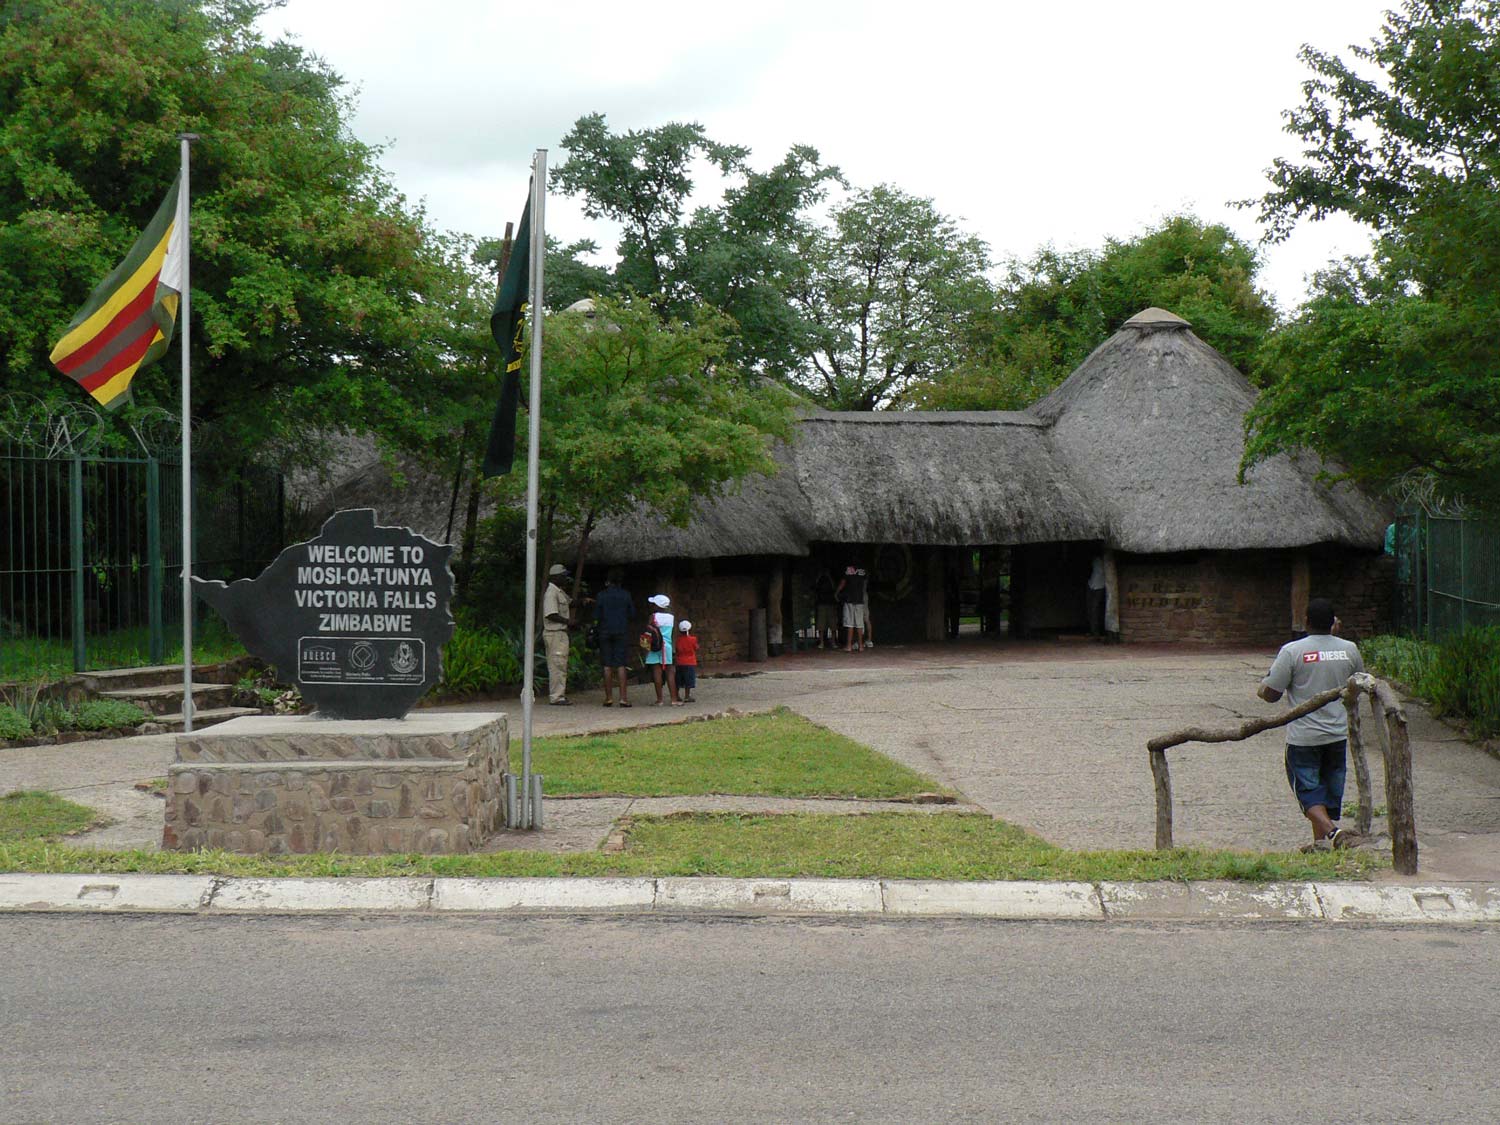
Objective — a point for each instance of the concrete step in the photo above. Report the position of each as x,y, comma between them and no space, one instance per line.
168,699
107,680
205,718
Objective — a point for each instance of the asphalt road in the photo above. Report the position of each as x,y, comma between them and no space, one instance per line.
168,1019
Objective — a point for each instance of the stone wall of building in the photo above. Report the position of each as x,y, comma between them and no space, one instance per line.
1215,597
1245,597
292,784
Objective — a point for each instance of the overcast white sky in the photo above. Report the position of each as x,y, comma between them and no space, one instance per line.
1032,122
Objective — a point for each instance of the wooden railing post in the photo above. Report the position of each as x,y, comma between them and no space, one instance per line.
1163,780
1361,764
1400,810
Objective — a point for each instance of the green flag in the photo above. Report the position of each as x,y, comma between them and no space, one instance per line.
506,324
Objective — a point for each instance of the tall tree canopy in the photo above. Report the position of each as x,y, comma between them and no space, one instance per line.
892,290
737,255
320,299
1050,312
1390,367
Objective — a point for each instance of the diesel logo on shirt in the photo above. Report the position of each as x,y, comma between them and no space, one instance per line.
1319,657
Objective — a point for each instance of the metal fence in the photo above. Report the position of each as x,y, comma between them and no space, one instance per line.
93,549
1448,573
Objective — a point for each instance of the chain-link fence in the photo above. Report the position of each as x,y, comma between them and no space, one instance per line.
1447,571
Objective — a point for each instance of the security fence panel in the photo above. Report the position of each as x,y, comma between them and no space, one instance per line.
1448,573
91,570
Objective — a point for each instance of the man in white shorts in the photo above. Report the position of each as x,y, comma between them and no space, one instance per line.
852,592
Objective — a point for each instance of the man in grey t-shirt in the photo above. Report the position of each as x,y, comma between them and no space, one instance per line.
1316,743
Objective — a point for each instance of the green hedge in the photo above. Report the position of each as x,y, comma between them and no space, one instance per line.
1459,677
480,661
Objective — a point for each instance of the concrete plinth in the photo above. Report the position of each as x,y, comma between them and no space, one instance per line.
274,784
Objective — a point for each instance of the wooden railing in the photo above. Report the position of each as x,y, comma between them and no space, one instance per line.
1395,747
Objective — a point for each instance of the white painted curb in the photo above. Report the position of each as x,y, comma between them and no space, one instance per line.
1465,904
995,900
298,896
1355,902
564,896
776,896
1210,902
105,893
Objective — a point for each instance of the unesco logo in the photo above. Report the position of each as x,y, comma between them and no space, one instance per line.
321,654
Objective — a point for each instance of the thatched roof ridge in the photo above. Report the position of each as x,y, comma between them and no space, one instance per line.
935,479
932,480
1152,427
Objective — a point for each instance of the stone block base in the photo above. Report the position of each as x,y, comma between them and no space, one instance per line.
293,784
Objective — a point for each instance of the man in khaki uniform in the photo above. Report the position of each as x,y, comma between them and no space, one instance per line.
557,615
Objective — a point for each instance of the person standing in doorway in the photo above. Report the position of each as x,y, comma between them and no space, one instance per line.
1098,596
1316,743
614,612
557,616
852,590
826,610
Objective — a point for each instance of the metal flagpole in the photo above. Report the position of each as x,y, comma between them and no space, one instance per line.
534,432
184,310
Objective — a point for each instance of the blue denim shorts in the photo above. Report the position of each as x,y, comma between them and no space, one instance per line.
687,676
1316,775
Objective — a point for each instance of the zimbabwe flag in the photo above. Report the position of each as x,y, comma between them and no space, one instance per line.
128,319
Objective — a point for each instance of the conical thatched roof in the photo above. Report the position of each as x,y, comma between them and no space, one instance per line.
1152,427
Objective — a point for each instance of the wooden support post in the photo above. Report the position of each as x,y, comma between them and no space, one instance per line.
1400,813
1163,779
1361,763
775,590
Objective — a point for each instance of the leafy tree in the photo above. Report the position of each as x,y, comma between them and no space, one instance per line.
320,300
891,291
1390,367
640,411
1052,311
738,255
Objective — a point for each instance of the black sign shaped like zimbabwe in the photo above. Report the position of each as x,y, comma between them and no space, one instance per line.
357,618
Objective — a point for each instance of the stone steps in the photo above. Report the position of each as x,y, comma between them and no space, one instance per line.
207,717
168,699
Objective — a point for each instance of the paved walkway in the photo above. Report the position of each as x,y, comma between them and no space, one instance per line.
1051,737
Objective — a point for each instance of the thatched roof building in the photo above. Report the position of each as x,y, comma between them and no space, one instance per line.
1133,459
1139,449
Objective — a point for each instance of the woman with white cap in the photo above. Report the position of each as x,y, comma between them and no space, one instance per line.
661,660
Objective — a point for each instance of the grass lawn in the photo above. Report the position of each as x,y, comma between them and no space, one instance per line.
30,816
775,755
961,846
48,659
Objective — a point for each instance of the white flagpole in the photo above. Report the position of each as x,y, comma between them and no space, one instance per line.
534,432
184,331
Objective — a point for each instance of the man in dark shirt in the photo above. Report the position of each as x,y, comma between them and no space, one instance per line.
851,592
614,612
